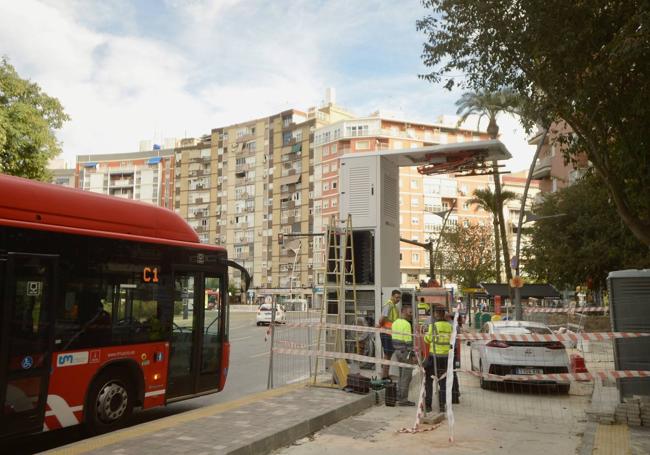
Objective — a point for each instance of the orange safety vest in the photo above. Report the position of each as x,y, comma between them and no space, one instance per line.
393,314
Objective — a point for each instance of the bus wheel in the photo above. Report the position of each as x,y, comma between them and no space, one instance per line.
110,401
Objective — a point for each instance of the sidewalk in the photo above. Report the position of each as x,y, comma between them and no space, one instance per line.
297,420
256,424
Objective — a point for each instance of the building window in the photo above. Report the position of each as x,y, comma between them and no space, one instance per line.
333,185
334,202
362,145
414,184
415,201
326,186
415,257
326,204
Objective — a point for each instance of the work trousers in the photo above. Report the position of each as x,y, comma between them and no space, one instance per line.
441,366
405,375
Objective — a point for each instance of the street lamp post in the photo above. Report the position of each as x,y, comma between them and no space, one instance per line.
433,253
530,217
517,296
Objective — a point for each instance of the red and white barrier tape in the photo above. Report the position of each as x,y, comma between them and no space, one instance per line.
588,309
561,377
596,336
341,355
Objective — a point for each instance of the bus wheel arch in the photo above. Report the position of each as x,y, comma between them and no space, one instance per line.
115,390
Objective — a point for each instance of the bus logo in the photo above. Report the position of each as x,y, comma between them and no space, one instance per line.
27,362
71,359
34,288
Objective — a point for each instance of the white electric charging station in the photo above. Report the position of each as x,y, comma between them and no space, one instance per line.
369,192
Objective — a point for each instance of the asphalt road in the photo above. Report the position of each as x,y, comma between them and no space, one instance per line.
249,357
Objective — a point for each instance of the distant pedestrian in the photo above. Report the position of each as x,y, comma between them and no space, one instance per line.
389,314
403,343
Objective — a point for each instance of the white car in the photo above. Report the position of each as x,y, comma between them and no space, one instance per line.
264,313
519,357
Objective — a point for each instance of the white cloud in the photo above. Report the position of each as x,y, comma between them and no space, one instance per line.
183,68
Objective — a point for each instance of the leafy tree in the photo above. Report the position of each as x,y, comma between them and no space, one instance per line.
487,200
585,244
467,255
595,77
28,118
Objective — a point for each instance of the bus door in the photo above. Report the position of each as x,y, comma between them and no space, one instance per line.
26,340
196,340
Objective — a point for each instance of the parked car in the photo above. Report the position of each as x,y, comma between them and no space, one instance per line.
264,313
519,357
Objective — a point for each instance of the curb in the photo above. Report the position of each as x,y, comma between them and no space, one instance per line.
262,443
289,435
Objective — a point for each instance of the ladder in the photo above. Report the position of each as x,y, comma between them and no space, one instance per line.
339,292
348,310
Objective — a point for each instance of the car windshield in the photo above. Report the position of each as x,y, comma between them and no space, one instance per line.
522,330
265,307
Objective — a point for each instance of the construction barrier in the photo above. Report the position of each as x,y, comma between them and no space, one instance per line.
589,309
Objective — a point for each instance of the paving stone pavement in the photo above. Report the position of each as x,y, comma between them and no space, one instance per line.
262,425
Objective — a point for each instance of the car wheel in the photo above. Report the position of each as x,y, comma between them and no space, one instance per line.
258,323
563,388
110,401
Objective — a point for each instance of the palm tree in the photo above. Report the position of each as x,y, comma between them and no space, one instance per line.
490,104
486,200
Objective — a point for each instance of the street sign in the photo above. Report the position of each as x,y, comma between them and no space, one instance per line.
473,290
516,282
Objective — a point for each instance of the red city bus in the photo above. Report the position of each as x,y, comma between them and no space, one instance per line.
103,307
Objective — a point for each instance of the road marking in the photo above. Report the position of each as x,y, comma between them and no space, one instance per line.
261,354
241,339
240,326
300,379
141,430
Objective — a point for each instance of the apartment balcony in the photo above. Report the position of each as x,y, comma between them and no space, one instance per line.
241,168
542,168
121,170
121,183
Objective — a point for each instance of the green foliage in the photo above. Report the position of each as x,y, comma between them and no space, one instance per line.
587,243
487,104
28,118
467,254
585,63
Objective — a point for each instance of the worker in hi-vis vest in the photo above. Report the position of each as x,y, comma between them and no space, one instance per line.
389,314
402,339
439,339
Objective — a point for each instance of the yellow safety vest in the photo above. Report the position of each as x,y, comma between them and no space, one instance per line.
404,326
439,343
393,314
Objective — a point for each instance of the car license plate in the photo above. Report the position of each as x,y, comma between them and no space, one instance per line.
529,371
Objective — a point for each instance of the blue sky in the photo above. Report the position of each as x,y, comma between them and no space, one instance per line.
132,70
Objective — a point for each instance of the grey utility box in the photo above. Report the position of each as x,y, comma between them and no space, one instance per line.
629,301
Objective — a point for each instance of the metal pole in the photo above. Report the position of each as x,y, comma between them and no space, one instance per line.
269,382
517,296
442,229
